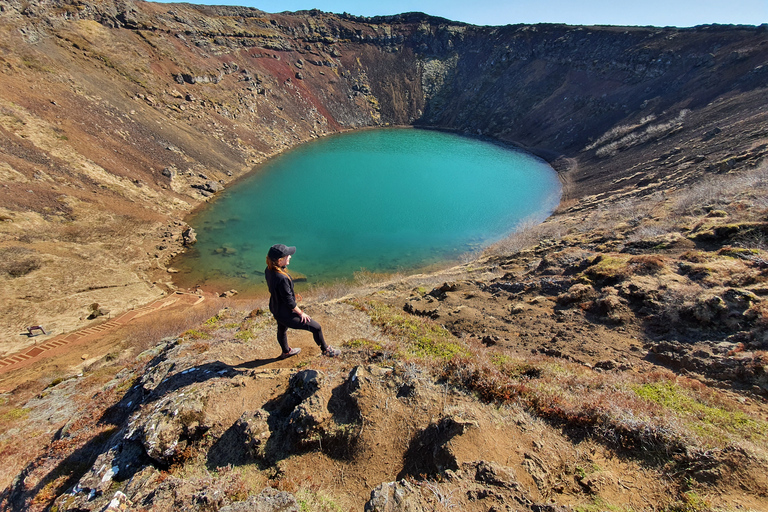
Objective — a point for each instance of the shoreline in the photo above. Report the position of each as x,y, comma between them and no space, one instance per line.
250,288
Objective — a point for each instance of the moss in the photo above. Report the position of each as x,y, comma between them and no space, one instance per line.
608,269
421,337
360,343
738,252
55,382
15,414
310,501
245,335
193,334
709,421
515,368
689,502
599,505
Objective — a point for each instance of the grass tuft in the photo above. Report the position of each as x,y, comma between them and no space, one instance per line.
420,337
655,413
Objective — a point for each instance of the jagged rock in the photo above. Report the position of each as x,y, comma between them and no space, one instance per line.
494,474
577,293
708,309
610,305
420,307
93,488
119,503
167,429
305,421
254,427
398,496
270,500
305,383
441,291
97,312
213,186
189,236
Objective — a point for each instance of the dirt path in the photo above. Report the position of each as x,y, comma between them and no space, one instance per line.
64,342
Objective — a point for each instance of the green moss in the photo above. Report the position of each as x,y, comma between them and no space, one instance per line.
738,252
706,420
599,505
361,343
310,501
193,334
421,337
689,502
245,335
212,321
55,382
608,268
126,384
15,414
515,368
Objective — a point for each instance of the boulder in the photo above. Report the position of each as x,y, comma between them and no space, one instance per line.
493,474
168,428
255,429
398,496
213,186
576,294
306,420
270,500
189,236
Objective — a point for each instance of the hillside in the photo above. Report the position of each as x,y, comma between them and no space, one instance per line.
613,357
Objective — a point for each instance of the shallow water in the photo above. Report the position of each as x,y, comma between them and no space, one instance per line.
383,200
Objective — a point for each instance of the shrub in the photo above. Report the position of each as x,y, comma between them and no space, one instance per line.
655,413
421,337
646,264
18,261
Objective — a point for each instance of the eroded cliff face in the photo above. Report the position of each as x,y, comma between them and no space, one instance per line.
118,118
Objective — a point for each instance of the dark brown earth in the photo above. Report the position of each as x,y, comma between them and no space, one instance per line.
613,357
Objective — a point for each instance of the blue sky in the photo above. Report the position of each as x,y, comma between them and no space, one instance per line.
680,13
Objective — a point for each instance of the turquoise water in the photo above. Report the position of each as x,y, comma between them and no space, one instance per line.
381,200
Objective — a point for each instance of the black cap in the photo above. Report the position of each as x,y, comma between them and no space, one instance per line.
277,251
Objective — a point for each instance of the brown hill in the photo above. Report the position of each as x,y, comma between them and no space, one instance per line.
613,357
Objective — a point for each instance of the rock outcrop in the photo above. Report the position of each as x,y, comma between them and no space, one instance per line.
197,95
117,118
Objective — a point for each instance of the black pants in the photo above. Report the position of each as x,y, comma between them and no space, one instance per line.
294,322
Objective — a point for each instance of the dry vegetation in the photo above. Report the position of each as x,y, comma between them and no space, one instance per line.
613,357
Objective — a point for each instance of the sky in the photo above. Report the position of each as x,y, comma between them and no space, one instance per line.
660,13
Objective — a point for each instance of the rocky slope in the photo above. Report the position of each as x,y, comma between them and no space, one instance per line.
118,118
613,357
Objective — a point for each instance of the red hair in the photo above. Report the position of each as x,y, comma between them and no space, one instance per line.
273,266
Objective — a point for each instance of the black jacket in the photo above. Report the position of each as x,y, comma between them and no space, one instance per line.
281,297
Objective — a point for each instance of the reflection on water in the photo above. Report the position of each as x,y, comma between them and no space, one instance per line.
381,200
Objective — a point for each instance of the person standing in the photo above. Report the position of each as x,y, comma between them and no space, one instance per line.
282,303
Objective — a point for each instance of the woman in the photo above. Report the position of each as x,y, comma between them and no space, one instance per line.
282,303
